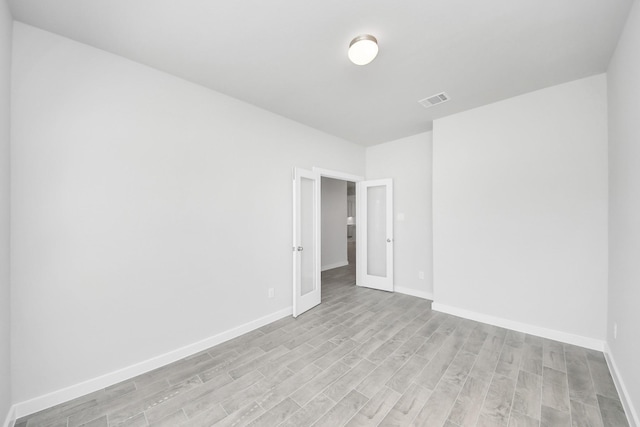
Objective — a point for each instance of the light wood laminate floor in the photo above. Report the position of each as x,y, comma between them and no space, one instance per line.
363,358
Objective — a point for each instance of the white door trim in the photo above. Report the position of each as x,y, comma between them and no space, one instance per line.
328,173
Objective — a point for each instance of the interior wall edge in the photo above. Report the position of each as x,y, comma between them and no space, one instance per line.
39,403
627,403
553,334
334,265
11,417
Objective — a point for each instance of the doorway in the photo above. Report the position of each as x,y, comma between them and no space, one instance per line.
373,238
338,234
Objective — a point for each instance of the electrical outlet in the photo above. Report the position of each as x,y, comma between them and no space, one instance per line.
615,331
421,275
271,293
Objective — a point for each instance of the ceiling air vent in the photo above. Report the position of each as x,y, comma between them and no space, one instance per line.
434,100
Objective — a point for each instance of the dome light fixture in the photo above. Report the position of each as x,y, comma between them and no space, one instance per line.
363,49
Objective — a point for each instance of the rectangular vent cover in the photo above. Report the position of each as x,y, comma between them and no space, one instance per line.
434,100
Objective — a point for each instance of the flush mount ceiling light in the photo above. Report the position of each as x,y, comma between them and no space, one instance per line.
363,49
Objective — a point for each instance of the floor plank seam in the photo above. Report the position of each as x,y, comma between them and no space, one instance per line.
361,341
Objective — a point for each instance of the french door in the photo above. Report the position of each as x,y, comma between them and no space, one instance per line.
306,241
374,244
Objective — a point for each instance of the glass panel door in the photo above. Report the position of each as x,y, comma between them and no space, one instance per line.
376,231
306,255
375,247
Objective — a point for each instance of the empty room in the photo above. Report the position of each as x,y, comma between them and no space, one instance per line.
306,213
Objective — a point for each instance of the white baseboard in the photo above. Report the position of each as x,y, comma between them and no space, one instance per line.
627,403
414,292
11,417
77,390
579,340
334,265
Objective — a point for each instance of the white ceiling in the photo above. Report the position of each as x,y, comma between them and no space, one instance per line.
290,56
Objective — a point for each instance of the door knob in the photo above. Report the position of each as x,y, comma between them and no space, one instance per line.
389,240
300,248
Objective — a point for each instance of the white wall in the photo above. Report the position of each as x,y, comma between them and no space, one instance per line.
623,78
148,212
408,162
5,109
334,223
520,210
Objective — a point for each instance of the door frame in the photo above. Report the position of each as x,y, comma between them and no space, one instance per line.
329,173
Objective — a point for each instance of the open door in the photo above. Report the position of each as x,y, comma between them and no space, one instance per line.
374,246
306,248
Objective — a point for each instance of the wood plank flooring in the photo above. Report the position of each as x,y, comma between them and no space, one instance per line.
363,358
